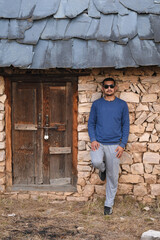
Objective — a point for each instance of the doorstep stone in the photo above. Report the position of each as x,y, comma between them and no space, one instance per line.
151,235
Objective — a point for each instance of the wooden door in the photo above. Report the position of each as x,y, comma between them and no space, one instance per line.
42,133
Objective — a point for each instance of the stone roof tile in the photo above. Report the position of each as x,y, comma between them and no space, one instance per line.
144,27
142,6
9,9
93,28
27,8
127,25
92,10
17,28
15,54
32,35
105,27
124,57
55,29
78,27
75,7
155,25
39,56
144,52
61,10
45,8
80,54
4,28
106,6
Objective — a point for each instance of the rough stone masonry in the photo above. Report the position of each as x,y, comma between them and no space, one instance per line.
140,164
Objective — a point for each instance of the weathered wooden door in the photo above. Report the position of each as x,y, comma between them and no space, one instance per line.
42,133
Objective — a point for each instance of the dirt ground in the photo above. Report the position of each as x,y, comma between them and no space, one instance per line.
47,219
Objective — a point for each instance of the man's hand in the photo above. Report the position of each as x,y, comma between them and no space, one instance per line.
94,145
119,151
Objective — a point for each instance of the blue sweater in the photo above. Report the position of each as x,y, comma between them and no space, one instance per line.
109,122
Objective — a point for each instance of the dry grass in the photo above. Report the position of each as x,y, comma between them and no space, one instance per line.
44,219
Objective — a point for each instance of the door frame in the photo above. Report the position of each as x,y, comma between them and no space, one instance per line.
8,118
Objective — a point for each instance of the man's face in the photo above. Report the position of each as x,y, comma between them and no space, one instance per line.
108,90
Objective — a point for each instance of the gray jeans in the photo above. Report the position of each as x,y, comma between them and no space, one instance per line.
105,158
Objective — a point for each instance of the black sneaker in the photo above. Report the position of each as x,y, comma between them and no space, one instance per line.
107,210
102,175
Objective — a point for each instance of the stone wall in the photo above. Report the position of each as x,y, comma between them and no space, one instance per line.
2,134
140,163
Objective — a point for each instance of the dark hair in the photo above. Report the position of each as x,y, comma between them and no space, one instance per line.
109,79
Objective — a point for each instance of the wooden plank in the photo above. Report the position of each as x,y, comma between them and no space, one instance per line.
60,150
8,134
26,127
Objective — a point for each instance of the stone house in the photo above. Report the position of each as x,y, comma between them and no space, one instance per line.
53,57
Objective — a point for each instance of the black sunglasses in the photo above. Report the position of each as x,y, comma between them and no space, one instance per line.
107,86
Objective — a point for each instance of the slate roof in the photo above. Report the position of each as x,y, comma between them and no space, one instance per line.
79,34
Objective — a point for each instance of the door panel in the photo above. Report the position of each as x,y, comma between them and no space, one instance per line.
42,133
24,137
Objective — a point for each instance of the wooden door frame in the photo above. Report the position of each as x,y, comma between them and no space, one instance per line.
8,118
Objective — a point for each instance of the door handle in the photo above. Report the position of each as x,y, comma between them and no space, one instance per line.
46,136
39,120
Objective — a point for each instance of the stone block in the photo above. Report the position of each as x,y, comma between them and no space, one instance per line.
2,169
2,136
96,96
154,147
154,138
152,117
142,107
141,118
2,145
151,235
2,155
81,145
137,157
137,129
84,156
131,118
130,97
137,147
88,190
144,137
150,127
87,87
155,189
82,127
126,158
124,189
1,125
85,79
131,107
84,175
82,98
132,137
84,168
130,178
1,85
156,169
156,107
77,199
1,106
1,116
137,168
56,197
2,188
150,178
140,190
3,99
95,180
2,181
83,136
157,126
151,158
100,189
148,168
149,98
126,168
81,182
84,107
123,86
155,88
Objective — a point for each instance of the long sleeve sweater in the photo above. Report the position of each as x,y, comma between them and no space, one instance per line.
109,122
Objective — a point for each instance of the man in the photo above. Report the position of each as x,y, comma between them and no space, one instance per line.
108,128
